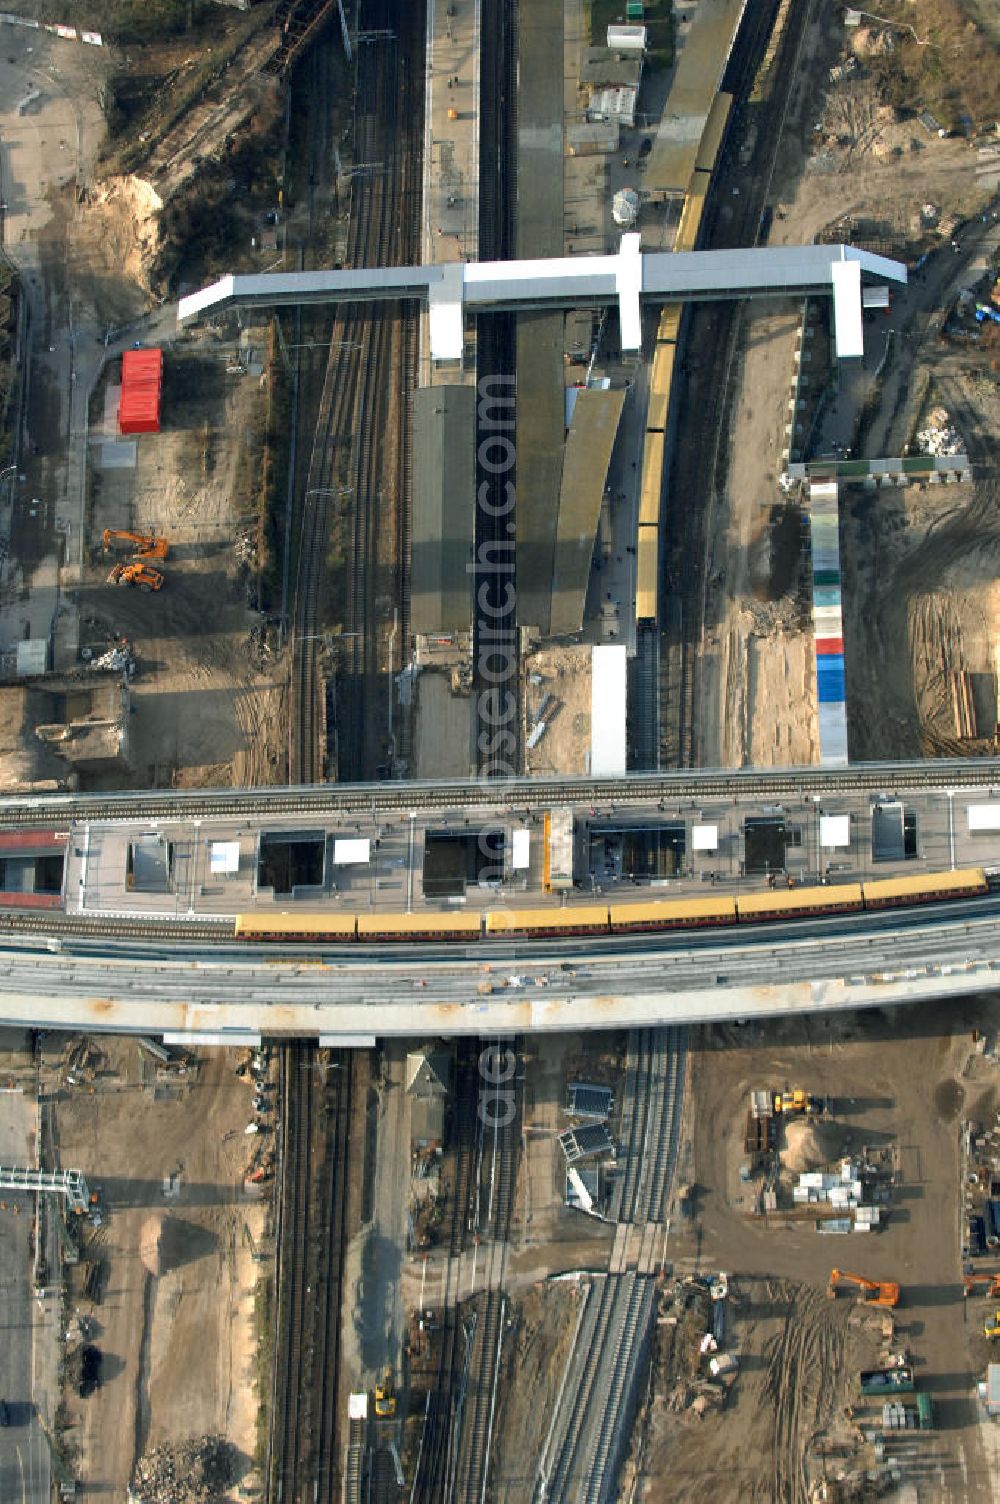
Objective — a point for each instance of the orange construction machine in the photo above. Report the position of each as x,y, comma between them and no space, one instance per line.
873,1292
982,1284
137,574
140,545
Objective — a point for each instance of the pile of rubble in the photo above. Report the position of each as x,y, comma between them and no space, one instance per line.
940,436
198,1471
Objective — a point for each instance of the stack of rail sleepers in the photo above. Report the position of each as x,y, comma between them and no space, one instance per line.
142,381
760,1135
824,519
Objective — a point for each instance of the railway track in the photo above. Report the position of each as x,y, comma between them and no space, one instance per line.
385,799
358,473
473,1465
495,1185
496,364
434,1473
584,1450
315,1095
732,218
455,1447
329,1281
361,396
645,700
288,1442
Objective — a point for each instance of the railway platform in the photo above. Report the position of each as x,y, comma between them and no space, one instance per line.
450,227
476,858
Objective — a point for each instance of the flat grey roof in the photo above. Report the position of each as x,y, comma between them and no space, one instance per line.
444,495
564,282
589,444
541,431
702,62
602,66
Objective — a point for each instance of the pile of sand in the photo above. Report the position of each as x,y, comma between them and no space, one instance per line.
810,1145
151,1245
122,217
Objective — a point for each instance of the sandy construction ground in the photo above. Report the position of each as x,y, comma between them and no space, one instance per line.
178,1349
207,709
844,157
924,606
907,1079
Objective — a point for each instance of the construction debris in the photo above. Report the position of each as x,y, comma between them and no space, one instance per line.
198,1471
940,436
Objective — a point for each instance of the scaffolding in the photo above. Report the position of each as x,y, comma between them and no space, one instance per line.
69,1183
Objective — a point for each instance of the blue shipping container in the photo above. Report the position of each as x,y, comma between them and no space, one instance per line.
830,688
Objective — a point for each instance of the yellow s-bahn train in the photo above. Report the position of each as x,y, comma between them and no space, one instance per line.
610,918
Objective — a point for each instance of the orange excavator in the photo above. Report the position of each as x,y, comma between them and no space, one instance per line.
139,545
982,1284
137,574
873,1292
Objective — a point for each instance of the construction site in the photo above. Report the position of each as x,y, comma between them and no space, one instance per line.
747,1260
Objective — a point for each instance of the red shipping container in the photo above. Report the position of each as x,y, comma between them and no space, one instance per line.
139,412
142,379
140,367
829,646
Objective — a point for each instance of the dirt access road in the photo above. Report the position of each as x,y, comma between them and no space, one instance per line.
895,1078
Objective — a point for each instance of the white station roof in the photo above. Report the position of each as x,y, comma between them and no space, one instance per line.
576,281
847,329
224,858
983,817
352,853
834,831
608,693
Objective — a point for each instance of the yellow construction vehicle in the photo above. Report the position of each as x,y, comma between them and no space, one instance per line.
385,1396
796,1100
973,1282
873,1292
991,1328
137,574
139,545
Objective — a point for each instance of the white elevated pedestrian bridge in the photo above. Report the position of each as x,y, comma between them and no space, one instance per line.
627,279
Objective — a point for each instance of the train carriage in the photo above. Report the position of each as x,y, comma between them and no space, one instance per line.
334,926
799,903
668,329
579,919
461,925
689,225
661,377
672,914
924,887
